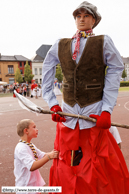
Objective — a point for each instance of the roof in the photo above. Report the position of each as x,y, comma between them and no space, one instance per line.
7,58
37,59
21,58
125,60
13,58
42,51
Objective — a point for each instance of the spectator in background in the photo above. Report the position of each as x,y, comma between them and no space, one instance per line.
27,90
33,85
15,88
24,90
57,87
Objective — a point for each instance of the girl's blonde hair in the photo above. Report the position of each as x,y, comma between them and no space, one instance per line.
23,124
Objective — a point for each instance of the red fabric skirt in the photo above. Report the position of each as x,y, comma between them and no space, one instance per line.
102,169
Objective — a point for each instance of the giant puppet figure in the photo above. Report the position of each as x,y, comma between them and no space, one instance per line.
87,90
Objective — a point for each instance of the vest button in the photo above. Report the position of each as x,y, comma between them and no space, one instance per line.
77,89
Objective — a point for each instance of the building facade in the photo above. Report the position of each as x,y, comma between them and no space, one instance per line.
37,62
8,66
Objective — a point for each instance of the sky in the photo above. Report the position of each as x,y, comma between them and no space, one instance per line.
27,24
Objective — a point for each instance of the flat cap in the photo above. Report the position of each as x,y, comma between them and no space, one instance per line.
91,9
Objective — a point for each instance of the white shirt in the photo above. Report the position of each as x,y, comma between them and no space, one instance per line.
23,160
115,65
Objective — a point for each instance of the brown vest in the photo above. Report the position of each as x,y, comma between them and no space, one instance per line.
83,82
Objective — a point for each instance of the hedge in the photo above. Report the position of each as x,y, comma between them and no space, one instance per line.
124,83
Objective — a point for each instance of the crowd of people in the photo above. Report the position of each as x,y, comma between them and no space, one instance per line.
27,90
6,88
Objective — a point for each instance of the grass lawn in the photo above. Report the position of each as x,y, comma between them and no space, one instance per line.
122,89
6,94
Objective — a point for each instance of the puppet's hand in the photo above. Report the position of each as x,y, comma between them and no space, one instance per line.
103,121
56,117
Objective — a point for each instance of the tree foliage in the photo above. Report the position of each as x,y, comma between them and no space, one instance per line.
124,74
18,76
59,74
28,76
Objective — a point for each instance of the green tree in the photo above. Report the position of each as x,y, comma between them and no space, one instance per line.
28,76
18,76
124,74
59,74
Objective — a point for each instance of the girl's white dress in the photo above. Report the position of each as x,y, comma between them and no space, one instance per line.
57,89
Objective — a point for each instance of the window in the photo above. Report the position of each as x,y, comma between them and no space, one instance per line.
40,81
36,81
35,70
11,80
20,64
21,71
40,71
10,69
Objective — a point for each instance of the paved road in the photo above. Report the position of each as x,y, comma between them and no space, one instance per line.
11,113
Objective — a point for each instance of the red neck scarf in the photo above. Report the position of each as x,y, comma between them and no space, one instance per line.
78,35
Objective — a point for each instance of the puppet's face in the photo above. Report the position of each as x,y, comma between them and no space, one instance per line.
84,21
